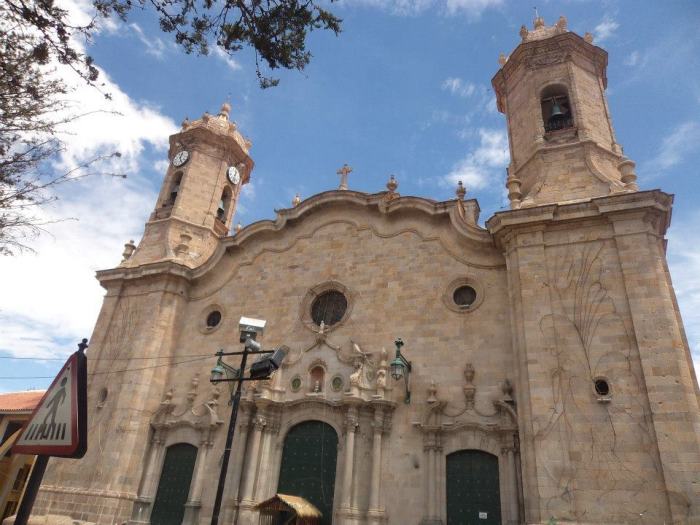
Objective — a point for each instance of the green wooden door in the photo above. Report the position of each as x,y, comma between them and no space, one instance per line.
174,485
308,465
473,494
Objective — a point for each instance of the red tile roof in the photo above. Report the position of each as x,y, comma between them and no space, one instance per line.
20,401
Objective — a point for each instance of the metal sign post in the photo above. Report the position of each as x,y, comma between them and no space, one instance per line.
57,427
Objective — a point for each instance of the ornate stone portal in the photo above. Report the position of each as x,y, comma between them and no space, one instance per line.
448,427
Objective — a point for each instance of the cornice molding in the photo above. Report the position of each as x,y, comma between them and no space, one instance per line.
612,207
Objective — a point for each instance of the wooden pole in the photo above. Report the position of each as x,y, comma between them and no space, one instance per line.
30,492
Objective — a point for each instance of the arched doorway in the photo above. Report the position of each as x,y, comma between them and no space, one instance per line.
473,492
308,465
174,484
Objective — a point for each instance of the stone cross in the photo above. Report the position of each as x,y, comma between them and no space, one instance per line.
343,172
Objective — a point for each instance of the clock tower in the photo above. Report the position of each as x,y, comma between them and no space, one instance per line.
209,164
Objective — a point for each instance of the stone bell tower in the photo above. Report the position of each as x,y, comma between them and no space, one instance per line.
562,143
209,164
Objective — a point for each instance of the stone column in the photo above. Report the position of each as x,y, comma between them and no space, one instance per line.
194,502
440,482
265,470
248,516
510,485
375,513
431,517
233,489
142,506
351,424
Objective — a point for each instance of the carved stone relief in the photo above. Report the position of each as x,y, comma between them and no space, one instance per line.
579,334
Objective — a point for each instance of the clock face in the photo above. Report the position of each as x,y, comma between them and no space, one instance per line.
180,159
233,175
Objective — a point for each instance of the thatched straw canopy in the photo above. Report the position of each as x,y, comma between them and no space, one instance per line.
285,503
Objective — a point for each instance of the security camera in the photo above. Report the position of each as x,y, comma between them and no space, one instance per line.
250,328
264,367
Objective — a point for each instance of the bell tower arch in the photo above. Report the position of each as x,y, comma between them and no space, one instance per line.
562,143
209,164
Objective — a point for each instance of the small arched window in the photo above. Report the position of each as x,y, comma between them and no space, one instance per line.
556,108
174,188
224,204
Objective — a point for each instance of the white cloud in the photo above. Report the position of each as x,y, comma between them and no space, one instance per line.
605,29
229,61
632,59
459,87
153,46
684,264
160,166
247,198
480,168
470,8
52,296
674,148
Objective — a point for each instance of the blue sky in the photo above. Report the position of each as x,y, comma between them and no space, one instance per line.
404,90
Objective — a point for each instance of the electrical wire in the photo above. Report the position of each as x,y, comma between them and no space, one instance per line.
115,371
102,358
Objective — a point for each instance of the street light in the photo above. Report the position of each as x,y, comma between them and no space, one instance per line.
263,368
222,370
400,368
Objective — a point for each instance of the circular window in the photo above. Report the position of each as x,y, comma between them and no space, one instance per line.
464,296
602,387
296,384
213,319
329,308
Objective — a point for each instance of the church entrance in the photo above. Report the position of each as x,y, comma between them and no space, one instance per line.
473,493
174,485
308,465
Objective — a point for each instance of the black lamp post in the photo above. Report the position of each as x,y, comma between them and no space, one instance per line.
260,370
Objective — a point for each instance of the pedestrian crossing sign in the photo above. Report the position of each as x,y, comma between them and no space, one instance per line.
58,425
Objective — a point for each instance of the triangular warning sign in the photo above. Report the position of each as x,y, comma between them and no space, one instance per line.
58,426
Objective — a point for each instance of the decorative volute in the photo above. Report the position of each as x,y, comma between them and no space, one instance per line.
562,144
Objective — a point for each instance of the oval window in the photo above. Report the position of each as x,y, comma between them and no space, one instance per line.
602,388
213,319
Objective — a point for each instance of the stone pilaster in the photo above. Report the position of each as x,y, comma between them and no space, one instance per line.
665,358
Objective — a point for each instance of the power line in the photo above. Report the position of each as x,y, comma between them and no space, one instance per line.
115,371
36,358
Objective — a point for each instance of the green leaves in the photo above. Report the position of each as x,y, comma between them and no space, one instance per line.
275,29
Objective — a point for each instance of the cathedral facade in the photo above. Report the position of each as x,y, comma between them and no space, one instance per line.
550,377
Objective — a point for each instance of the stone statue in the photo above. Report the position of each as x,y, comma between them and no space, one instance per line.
432,392
356,376
381,379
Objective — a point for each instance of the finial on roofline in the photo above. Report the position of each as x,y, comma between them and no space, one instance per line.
461,191
225,110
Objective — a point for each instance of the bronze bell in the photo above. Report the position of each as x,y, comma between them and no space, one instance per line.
556,111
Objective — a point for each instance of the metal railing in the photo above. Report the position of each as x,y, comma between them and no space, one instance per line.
559,123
